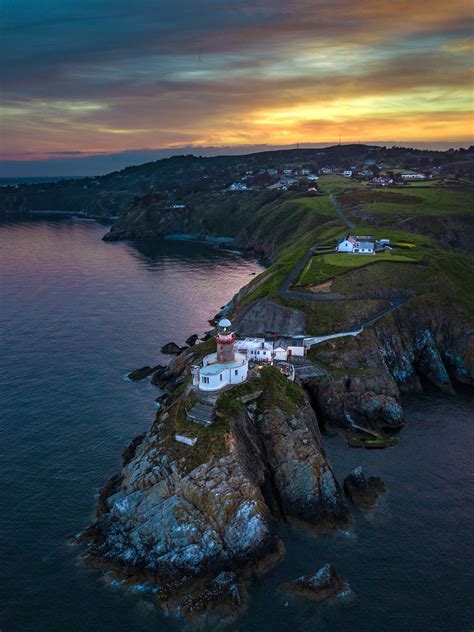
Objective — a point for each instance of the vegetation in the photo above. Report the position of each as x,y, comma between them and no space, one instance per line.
428,201
324,267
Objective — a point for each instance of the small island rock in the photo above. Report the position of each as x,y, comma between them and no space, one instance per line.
319,586
361,490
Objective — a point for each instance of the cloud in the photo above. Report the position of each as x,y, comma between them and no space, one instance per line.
106,76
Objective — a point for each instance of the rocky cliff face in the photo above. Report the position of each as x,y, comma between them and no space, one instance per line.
146,222
194,532
406,349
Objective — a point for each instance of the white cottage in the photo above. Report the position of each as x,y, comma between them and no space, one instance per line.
357,245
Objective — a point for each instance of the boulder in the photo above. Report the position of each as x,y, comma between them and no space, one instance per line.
361,490
322,585
141,373
192,340
171,348
214,602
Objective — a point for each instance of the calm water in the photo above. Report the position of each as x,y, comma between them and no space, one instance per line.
76,314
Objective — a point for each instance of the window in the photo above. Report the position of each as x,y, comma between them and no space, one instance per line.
220,376
236,371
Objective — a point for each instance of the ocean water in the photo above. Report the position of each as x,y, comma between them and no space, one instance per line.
76,314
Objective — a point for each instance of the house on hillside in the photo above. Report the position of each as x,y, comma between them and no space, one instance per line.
382,181
357,245
238,186
347,173
413,176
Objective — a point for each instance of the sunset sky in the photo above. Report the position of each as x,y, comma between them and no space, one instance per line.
103,76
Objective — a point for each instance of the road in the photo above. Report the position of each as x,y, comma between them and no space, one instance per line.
340,214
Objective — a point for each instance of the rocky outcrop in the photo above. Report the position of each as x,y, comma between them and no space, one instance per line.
361,490
187,534
402,352
148,218
197,521
191,340
142,373
319,586
264,315
171,348
307,490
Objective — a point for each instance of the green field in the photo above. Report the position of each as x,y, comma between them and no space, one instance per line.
336,184
434,201
324,267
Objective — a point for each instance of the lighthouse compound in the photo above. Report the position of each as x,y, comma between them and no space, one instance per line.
226,366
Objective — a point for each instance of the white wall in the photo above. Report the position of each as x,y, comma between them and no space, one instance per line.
345,246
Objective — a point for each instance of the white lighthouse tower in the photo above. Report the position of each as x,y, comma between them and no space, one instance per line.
226,366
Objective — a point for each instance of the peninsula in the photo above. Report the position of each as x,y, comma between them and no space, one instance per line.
367,295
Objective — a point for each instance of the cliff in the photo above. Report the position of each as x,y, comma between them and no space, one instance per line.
417,346
195,522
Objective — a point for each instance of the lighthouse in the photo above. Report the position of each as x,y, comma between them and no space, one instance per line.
224,368
225,339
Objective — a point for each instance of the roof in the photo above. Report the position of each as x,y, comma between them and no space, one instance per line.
366,244
218,367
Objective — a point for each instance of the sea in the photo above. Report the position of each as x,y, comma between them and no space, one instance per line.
76,315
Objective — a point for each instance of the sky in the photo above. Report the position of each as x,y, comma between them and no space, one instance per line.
93,79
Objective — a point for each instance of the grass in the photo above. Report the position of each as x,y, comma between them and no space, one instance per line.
336,184
381,275
323,267
429,201
211,440
332,316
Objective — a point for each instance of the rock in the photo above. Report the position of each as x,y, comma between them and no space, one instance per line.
171,348
192,340
181,532
162,397
214,602
264,315
399,353
361,490
280,447
142,373
197,521
322,585
307,489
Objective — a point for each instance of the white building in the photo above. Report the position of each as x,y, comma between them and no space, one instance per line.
256,349
347,244
223,368
413,176
357,245
347,173
264,351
